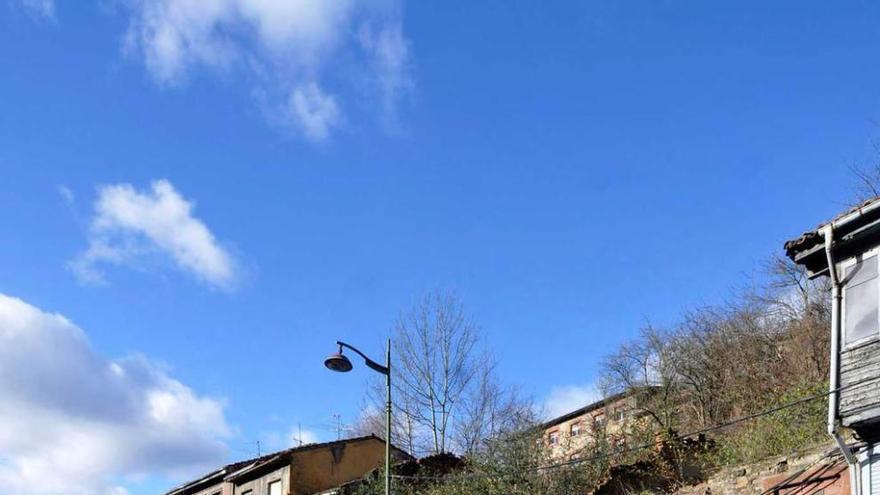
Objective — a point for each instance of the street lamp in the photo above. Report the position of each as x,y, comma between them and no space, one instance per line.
339,362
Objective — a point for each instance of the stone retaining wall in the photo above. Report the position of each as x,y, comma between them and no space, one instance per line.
818,472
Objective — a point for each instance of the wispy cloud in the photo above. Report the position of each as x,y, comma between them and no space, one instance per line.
313,111
76,423
130,224
66,194
295,436
38,9
389,56
288,49
567,398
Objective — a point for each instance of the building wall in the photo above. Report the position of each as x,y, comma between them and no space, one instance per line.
857,365
260,486
859,403
607,422
314,470
321,469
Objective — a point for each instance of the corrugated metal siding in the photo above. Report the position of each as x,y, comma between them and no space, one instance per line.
857,365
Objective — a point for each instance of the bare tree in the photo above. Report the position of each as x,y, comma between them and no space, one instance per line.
645,364
404,429
489,411
437,359
801,309
867,182
446,393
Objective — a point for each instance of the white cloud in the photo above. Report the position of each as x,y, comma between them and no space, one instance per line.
390,58
293,437
567,398
66,194
129,224
172,35
305,28
314,111
41,9
286,47
299,437
73,422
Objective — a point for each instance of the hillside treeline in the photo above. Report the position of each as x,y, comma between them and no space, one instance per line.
767,346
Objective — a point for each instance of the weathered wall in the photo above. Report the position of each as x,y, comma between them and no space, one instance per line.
857,365
812,473
320,469
260,486
605,420
221,488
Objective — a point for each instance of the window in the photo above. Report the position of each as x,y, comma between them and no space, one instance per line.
870,461
553,438
575,429
860,301
275,488
599,419
874,474
248,492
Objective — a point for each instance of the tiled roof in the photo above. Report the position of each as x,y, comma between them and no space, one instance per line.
811,238
236,467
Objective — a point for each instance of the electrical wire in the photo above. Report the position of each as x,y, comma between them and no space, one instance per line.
650,445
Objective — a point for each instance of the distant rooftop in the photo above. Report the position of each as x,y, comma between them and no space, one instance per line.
584,410
234,469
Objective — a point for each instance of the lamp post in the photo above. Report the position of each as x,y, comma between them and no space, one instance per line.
339,362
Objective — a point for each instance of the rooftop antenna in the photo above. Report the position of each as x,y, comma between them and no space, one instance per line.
299,438
338,419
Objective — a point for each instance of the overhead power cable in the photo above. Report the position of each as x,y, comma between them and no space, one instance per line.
651,445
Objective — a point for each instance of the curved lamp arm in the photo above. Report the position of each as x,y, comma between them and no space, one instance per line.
385,370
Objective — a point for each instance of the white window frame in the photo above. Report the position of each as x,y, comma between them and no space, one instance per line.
273,482
869,470
842,267
575,429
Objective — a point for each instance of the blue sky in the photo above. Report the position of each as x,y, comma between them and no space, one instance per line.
570,169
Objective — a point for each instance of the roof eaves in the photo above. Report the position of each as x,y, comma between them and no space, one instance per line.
213,474
255,465
585,409
812,238
245,467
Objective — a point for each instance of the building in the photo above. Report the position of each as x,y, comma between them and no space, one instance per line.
584,430
846,250
306,470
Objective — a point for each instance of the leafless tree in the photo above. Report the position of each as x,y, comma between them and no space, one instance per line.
721,362
801,309
867,182
489,410
645,364
446,392
404,429
437,360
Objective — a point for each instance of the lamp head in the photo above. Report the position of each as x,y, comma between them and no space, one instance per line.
338,362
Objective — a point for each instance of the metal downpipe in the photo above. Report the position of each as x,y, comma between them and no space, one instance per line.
834,378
